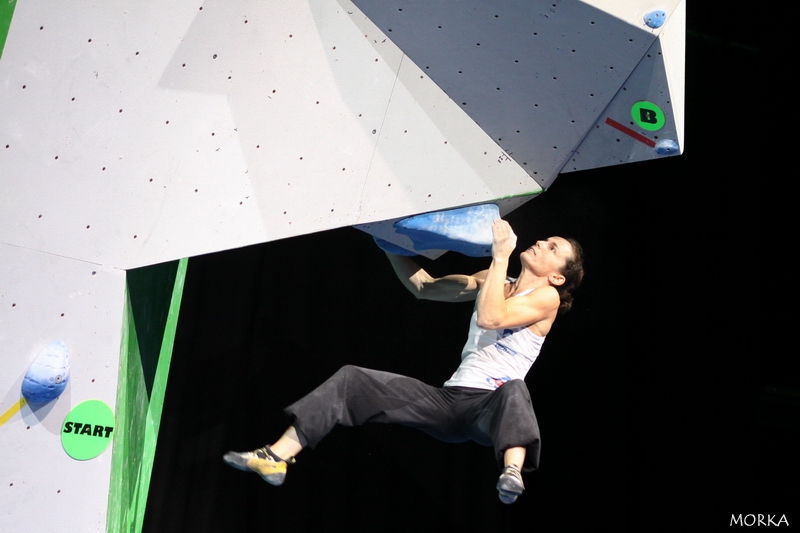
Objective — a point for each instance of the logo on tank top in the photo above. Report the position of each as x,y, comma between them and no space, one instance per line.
498,382
503,348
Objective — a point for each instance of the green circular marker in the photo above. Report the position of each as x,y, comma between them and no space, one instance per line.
648,116
87,429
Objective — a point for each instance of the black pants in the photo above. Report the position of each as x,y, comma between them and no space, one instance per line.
353,396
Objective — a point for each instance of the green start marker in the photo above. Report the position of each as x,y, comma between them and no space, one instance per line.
87,430
648,116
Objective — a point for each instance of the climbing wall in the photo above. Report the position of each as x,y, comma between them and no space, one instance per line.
559,86
540,76
134,135
45,298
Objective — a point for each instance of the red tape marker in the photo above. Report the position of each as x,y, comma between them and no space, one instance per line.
627,131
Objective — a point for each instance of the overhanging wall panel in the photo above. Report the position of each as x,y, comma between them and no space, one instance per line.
535,75
658,79
141,132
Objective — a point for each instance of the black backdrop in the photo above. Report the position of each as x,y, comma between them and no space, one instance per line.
664,401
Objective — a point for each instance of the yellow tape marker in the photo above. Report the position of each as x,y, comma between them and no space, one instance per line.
13,410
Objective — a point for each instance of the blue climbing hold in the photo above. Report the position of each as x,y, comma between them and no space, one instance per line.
655,19
467,230
48,375
666,147
386,246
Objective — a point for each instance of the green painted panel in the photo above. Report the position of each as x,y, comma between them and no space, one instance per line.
150,321
6,12
149,290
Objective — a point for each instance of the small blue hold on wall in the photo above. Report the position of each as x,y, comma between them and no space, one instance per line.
667,147
655,19
48,375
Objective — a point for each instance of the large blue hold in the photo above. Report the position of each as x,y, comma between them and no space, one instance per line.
387,246
467,230
48,375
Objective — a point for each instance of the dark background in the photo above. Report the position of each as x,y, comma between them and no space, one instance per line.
665,400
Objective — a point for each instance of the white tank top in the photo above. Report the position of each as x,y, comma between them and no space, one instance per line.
492,357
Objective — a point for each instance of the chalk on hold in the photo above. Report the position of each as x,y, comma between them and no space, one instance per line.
48,375
467,230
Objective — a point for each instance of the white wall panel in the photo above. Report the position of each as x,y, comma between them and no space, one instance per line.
46,298
142,132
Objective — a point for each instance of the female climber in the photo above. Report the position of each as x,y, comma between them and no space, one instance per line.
486,399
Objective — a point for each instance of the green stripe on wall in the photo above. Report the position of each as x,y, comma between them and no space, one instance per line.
6,12
149,324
